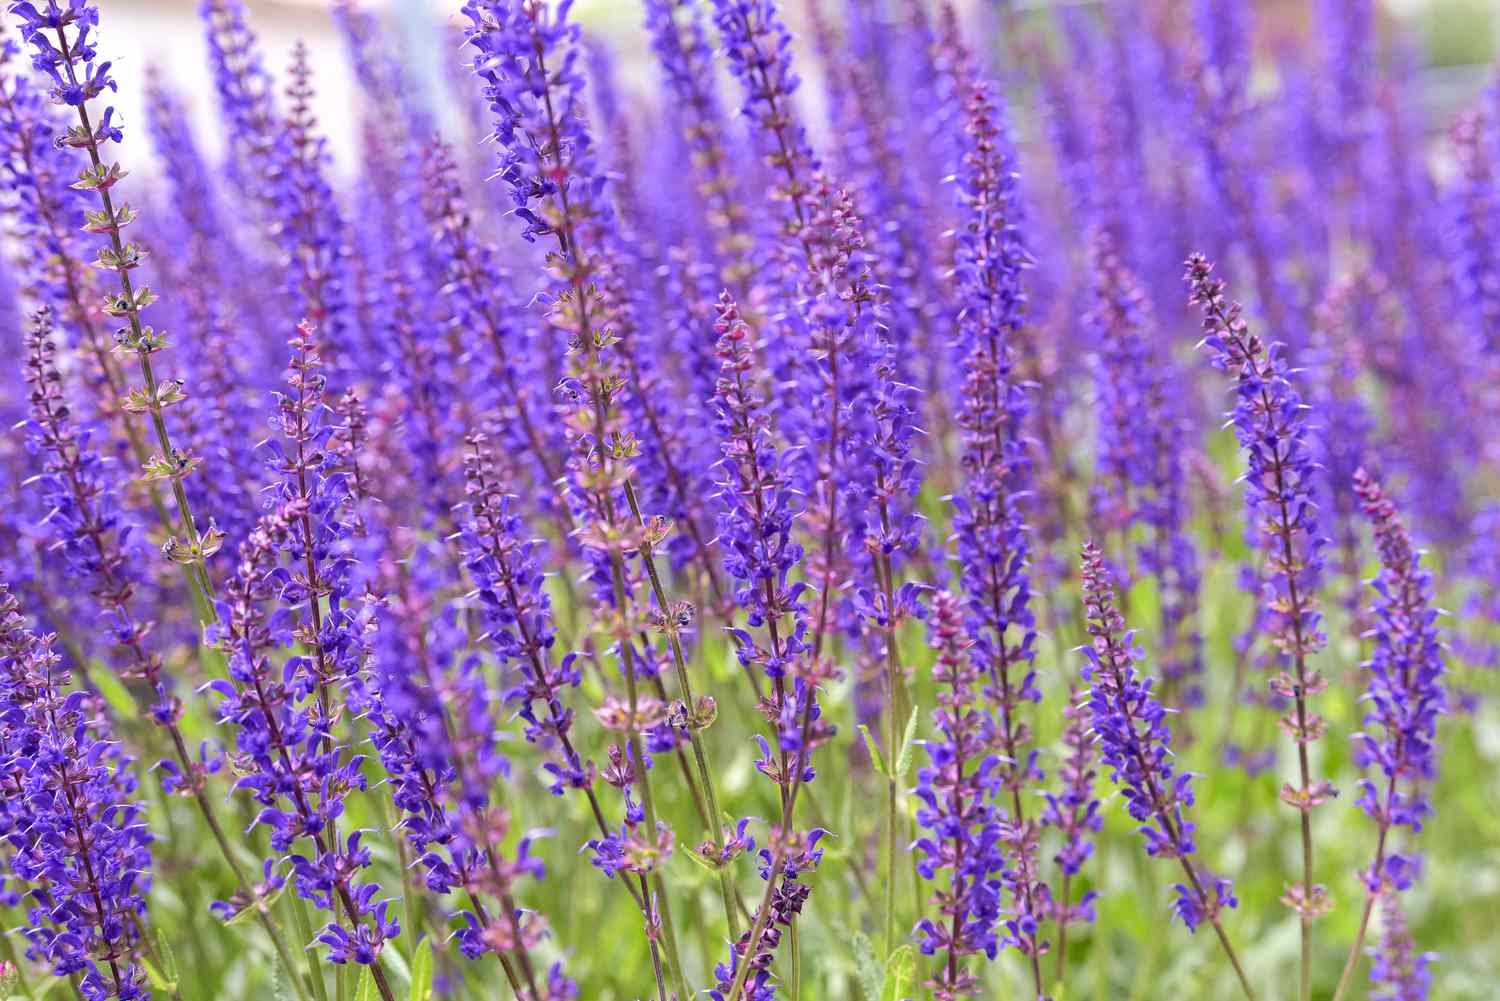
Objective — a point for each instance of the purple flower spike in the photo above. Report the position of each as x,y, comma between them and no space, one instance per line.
956,789
988,524
1136,745
85,516
1074,812
1398,972
1270,422
1405,694
518,616
77,840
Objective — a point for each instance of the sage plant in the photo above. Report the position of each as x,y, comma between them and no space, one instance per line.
1271,425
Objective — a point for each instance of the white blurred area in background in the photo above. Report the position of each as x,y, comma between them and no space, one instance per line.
168,33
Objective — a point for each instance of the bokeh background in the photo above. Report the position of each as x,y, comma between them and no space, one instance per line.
1457,42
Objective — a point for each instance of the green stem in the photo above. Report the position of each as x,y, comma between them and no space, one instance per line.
203,594
648,801
304,930
700,755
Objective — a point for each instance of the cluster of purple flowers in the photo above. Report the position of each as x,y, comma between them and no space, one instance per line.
639,437
1136,745
1405,694
957,789
74,834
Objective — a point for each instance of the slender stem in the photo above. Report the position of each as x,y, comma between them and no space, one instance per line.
700,755
580,277
1356,948
794,983
163,436
661,983
1062,931
1284,530
648,802
1411,607
304,929
1161,807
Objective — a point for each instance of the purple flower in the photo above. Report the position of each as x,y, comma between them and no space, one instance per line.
1270,422
244,88
686,59
988,524
784,863
285,751
518,618
76,838
1342,439
62,61
46,213
86,517
68,56
633,847
222,426
1397,971
759,507
1142,459
1136,746
515,43
757,47
1405,694
1074,812
956,789
1123,374
1478,214
476,291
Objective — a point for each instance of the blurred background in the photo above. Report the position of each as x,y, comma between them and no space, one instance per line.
1457,42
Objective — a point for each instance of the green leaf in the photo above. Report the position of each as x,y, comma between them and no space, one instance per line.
421,972
874,750
866,966
167,956
281,983
903,760
158,979
251,910
367,990
900,974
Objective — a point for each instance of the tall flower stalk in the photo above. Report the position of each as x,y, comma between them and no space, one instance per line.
77,840
85,519
957,789
1271,425
988,524
1135,744
853,424
66,52
521,630
286,758
1074,812
548,162
760,507
1405,697
47,213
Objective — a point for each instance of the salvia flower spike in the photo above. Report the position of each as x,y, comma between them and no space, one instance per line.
1270,422
1135,744
1405,696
